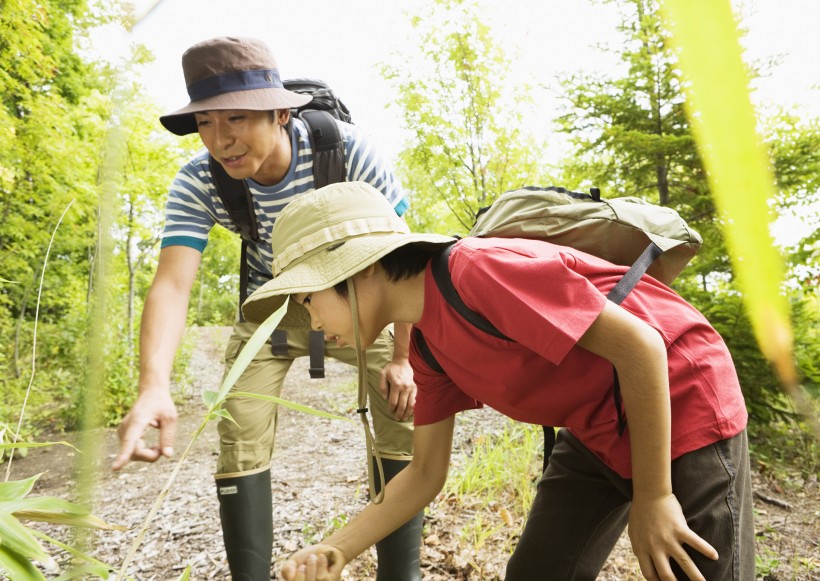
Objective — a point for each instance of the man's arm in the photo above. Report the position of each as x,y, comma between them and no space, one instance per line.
405,495
657,526
163,323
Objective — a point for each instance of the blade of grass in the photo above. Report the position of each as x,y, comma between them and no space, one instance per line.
34,339
37,445
723,122
94,566
214,403
289,404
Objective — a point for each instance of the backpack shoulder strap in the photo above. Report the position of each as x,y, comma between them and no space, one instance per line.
327,145
441,274
236,197
634,274
424,349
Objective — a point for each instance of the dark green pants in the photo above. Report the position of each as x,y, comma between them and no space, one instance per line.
582,507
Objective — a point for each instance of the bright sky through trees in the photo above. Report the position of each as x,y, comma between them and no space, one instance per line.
344,43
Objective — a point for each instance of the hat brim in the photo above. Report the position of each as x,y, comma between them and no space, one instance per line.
324,270
182,121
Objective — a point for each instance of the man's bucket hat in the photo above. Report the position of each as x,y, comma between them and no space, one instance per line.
325,237
230,73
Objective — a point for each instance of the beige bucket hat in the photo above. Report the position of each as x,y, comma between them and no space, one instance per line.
325,237
230,73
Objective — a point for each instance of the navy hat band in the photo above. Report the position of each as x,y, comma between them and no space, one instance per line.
232,82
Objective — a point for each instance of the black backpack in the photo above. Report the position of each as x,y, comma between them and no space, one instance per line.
319,116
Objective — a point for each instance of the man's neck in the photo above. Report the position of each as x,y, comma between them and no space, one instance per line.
275,170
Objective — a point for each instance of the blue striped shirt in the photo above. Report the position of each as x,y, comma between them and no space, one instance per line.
194,206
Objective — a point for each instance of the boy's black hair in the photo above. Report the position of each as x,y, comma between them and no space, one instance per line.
404,262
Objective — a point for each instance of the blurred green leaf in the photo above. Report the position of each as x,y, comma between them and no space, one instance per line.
741,180
16,566
249,351
289,404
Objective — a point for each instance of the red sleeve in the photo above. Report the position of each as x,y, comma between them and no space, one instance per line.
437,397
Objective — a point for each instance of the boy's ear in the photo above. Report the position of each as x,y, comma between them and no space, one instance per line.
283,116
368,271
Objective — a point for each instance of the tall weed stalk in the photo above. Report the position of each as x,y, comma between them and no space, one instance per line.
214,402
16,436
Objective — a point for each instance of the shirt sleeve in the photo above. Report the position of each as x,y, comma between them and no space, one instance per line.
438,397
365,164
189,211
538,300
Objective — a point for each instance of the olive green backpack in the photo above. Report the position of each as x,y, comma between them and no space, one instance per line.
628,231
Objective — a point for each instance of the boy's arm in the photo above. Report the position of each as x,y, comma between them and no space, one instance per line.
405,495
657,526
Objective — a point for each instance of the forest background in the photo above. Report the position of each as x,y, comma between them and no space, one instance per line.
81,146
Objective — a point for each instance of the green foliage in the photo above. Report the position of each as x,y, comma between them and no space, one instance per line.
632,134
55,115
501,469
468,144
794,142
20,547
215,295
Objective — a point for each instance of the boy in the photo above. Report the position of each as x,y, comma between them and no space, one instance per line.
679,475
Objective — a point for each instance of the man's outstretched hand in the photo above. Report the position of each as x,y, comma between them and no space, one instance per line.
153,409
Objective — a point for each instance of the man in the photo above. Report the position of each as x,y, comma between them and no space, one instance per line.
241,111
679,474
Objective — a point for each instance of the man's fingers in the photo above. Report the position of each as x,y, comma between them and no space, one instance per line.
167,435
121,460
132,446
129,438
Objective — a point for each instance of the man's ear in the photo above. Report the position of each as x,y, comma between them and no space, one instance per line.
282,116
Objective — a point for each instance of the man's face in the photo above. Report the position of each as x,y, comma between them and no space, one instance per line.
248,144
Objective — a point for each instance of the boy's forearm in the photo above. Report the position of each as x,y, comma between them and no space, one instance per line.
645,390
405,495
638,353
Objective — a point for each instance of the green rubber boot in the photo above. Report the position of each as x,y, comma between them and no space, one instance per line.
398,553
245,508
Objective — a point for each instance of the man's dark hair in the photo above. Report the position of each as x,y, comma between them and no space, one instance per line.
403,263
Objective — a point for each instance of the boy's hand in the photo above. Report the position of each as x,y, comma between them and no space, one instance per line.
658,531
315,563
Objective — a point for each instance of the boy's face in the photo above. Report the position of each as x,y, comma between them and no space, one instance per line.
331,313
248,144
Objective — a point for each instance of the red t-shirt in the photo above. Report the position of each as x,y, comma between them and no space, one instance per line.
545,297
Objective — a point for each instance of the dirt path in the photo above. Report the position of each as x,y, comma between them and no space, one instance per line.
319,473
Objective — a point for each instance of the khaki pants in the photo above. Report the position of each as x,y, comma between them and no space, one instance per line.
247,446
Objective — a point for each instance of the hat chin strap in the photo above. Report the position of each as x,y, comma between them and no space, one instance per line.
361,360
